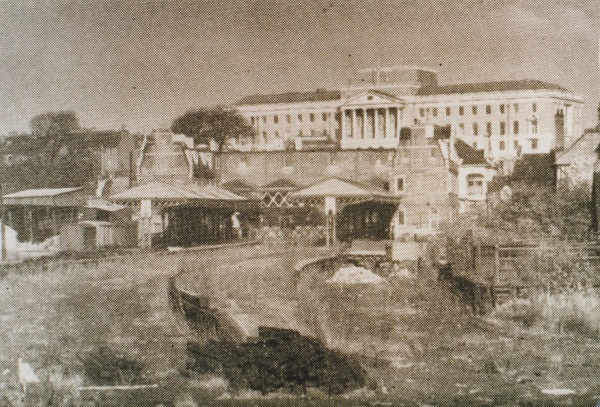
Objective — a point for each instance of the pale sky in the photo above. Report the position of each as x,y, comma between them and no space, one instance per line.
141,63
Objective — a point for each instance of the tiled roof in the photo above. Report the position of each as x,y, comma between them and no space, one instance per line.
41,192
469,155
324,95
237,185
291,97
106,138
281,184
104,205
535,169
377,182
157,190
585,145
337,187
499,86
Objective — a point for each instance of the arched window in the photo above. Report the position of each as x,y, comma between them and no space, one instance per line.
475,184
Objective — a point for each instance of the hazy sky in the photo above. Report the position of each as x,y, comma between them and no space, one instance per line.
142,63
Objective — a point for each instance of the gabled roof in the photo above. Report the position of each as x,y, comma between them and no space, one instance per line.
161,191
376,182
535,169
586,145
291,97
498,86
379,94
41,192
530,169
281,184
340,188
468,154
237,185
94,138
325,95
55,197
104,205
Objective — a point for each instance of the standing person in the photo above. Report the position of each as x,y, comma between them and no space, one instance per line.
236,225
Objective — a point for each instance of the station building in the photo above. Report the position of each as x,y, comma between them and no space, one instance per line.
413,188
504,119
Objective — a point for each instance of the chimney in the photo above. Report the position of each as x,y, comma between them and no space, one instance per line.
559,131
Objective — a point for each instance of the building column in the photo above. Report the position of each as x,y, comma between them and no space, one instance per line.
364,126
386,128
353,123
331,124
343,125
398,123
375,123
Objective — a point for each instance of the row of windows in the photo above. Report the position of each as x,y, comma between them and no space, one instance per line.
474,109
288,118
533,129
313,133
502,145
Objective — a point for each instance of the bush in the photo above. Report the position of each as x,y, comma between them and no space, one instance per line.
106,367
580,326
279,359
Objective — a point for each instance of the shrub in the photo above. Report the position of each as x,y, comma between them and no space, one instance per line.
107,367
279,359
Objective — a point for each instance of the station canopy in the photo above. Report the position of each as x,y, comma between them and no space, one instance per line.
165,194
59,197
344,189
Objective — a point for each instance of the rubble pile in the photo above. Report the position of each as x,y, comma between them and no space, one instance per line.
355,275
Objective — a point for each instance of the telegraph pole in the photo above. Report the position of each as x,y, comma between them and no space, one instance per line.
3,226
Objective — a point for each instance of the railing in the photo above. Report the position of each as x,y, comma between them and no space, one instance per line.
527,263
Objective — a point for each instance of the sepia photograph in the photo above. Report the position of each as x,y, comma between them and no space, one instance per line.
299,203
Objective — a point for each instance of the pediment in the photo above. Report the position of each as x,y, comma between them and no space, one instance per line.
373,98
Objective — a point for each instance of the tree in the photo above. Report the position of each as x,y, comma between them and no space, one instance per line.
53,124
533,211
218,123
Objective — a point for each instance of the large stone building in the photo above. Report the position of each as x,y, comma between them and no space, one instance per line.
503,119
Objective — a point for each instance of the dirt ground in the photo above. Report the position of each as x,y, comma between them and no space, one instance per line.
442,355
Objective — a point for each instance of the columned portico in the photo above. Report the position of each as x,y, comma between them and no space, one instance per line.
371,120
377,124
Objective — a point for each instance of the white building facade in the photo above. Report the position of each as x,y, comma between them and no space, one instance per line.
504,119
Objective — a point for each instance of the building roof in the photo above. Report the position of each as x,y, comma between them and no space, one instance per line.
94,138
161,191
104,205
237,185
342,188
499,86
325,95
587,144
291,97
468,154
281,184
57,197
377,182
535,169
41,192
